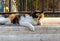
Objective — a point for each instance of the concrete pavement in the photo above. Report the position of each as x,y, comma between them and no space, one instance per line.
19,33
50,21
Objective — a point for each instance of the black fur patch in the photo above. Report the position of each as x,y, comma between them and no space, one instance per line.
16,19
33,15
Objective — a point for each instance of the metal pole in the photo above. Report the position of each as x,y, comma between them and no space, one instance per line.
9,5
47,4
31,6
21,5
53,6
36,4
26,5
42,5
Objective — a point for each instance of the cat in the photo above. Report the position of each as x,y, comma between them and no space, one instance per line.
4,19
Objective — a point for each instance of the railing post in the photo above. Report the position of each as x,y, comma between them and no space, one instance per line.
24,5
21,5
42,9
53,6
42,5
9,5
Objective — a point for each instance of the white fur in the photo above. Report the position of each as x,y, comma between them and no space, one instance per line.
4,20
8,21
27,21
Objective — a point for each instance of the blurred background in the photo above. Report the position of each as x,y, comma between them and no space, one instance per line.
30,5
